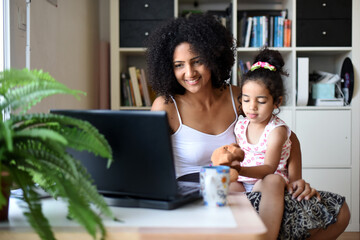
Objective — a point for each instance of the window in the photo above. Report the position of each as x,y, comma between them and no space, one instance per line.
4,43
4,35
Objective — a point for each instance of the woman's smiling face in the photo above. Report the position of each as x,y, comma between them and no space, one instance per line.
189,69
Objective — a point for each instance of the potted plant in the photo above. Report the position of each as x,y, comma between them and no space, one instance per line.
33,152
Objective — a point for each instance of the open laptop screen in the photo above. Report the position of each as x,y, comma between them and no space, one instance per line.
143,160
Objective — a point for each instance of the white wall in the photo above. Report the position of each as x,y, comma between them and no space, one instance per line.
64,42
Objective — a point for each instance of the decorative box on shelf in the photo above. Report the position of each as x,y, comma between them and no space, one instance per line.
323,91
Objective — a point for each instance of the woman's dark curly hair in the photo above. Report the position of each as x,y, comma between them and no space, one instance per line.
271,79
207,37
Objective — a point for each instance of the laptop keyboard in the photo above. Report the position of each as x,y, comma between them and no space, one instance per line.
185,188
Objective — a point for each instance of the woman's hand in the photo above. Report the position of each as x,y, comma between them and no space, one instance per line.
229,155
302,190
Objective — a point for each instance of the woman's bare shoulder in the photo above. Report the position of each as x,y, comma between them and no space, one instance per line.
159,104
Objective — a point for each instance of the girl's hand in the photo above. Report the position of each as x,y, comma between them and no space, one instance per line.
302,190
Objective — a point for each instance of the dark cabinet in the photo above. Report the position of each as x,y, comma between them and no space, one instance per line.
323,23
146,9
139,17
134,32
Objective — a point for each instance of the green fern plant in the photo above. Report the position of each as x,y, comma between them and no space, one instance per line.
33,151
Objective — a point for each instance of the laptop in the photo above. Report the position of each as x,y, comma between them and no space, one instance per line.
143,171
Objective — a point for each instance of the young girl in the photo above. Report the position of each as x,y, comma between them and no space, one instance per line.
261,134
264,138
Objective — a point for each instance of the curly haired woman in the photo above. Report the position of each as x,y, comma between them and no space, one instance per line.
189,66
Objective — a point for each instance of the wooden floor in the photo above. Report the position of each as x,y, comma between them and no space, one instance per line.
349,236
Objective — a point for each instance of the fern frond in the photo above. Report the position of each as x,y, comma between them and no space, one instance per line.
85,140
44,134
67,188
39,150
29,95
90,192
12,78
70,188
33,210
80,177
76,135
23,88
70,168
82,212
46,178
86,217
81,135
42,76
6,136
3,200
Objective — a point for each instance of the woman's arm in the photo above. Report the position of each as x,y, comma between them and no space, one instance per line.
294,163
297,186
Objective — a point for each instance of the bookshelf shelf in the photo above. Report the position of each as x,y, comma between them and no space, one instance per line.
254,49
306,121
316,108
132,50
324,50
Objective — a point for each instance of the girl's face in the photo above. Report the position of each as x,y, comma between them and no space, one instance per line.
257,102
189,69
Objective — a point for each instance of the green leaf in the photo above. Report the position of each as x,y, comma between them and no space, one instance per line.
82,212
90,192
3,200
81,135
47,165
32,207
44,151
44,134
24,89
6,135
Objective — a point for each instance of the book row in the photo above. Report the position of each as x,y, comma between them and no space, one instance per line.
265,30
135,90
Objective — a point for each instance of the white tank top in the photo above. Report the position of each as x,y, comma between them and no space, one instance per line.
192,149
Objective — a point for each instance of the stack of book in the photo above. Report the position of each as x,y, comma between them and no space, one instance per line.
135,90
258,28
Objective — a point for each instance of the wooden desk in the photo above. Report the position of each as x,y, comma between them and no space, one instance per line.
238,220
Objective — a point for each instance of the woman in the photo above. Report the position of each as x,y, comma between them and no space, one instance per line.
189,64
